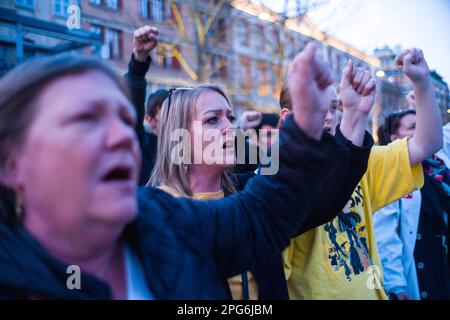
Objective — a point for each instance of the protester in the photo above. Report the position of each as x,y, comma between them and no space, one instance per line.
412,233
69,163
331,119
151,119
339,259
153,109
145,40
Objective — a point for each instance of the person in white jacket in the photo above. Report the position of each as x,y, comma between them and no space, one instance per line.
396,225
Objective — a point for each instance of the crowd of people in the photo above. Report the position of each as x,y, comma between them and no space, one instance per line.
94,174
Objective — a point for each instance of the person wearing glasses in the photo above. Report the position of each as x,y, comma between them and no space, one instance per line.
412,233
339,259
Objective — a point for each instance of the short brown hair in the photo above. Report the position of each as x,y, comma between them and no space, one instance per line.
20,88
285,97
390,126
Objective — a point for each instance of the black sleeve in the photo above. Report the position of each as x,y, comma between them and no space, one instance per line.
338,185
137,85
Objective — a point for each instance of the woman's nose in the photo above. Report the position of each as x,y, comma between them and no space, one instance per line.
227,126
120,135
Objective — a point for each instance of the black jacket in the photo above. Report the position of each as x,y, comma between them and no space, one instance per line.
135,79
431,249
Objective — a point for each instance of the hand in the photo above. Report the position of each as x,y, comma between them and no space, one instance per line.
357,90
413,64
308,79
250,119
357,94
403,296
145,40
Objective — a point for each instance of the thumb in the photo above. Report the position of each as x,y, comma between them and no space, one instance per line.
347,75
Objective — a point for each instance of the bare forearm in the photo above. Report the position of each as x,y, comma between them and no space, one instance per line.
428,135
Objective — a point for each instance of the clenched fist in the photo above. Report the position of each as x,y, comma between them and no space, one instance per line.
145,40
357,89
309,76
413,64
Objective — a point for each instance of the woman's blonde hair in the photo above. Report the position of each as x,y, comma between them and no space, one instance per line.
178,115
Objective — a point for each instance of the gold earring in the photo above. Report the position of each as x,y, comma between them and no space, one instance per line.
19,203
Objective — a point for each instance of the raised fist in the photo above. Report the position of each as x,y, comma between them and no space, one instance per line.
413,64
308,79
357,89
144,40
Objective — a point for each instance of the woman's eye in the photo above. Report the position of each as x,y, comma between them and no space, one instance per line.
231,118
213,120
129,121
86,117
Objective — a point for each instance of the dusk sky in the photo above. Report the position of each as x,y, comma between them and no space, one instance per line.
370,24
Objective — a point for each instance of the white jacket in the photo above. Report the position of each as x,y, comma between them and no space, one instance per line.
396,232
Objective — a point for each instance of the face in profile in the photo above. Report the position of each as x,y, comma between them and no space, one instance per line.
406,128
79,163
331,118
153,122
212,111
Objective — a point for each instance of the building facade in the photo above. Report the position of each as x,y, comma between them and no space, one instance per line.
249,54
246,48
264,43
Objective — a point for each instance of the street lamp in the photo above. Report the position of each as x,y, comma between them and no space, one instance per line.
264,16
380,74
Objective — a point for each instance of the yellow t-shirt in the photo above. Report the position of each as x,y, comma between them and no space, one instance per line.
235,283
339,260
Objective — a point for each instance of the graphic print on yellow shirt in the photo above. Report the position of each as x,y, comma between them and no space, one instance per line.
348,249
338,260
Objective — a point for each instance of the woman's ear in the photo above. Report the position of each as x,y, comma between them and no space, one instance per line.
394,137
9,173
284,113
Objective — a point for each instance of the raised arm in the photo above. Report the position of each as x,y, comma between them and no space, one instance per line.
144,41
357,93
338,185
427,137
